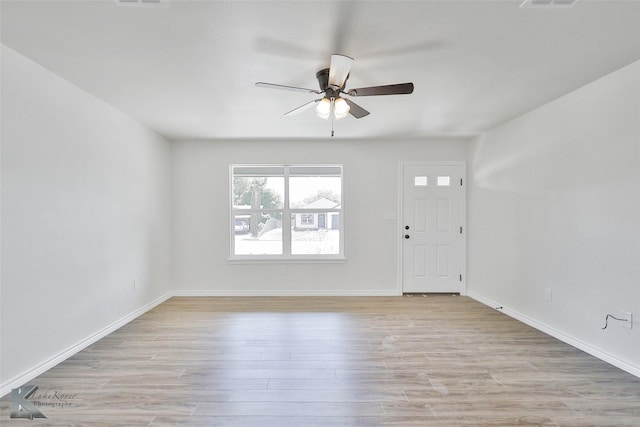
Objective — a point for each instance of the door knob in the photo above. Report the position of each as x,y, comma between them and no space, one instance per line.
406,227
406,236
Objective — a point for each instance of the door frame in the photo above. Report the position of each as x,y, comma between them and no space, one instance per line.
400,216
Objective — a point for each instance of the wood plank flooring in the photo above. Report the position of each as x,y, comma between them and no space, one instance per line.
437,360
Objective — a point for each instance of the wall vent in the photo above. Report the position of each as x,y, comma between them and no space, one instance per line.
548,3
142,2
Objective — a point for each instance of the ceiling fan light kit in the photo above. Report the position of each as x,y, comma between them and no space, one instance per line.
332,83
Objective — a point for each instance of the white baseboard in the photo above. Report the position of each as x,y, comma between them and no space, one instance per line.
586,347
62,356
285,293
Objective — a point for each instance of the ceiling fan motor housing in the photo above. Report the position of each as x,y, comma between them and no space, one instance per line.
323,81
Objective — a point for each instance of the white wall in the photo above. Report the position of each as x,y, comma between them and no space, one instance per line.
85,211
201,215
554,202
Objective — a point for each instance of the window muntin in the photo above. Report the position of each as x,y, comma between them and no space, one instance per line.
284,212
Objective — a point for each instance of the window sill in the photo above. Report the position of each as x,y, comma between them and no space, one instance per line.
287,260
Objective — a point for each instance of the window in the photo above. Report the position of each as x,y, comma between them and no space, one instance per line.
444,181
286,212
420,181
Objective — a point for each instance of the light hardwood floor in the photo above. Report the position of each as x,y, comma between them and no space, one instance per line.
322,361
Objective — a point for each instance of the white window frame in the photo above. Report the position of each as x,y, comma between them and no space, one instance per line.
287,213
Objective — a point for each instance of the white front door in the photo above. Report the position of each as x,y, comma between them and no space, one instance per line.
432,227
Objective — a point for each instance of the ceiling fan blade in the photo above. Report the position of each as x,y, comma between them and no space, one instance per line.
302,108
339,70
293,88
355,110
397,89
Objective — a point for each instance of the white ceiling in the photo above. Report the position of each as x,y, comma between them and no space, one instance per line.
187,68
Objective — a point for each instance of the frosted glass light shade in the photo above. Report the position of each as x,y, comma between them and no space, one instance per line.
341,108
323,109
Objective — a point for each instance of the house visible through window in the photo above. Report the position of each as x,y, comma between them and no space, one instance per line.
286,212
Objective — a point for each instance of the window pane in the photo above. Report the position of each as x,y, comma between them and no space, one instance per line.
315,233
444,181
315,192
258,234
420,181
258,192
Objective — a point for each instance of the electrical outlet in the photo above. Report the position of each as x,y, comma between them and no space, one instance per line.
548,294
629,319
135,284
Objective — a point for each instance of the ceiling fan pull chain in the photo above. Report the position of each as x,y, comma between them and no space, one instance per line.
331,114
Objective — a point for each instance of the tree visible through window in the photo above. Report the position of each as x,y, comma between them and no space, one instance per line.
286,211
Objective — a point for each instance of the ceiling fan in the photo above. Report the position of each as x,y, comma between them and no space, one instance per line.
332,83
